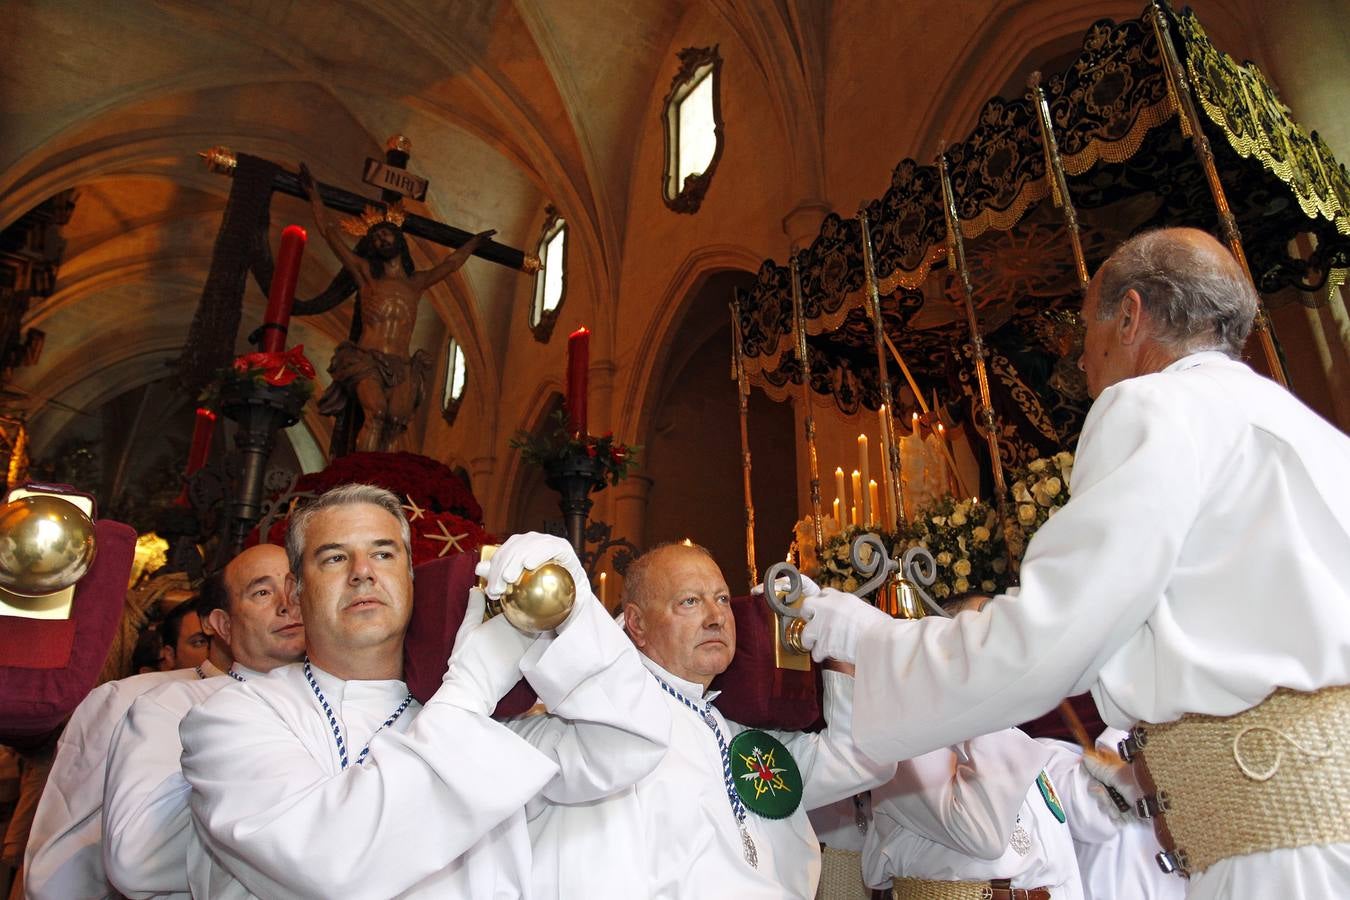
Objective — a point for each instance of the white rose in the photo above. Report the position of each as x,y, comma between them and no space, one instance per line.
957,518
939,521
981,534
1064,459
1037,465
1020,492
961,585
1053,485
987,586
1026,513
961,567
941,591
944,558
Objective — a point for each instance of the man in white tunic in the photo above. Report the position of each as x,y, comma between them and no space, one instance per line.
146,823
685,831
1202,566
326,779
64,856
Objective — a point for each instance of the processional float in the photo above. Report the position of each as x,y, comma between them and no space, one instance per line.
1151,125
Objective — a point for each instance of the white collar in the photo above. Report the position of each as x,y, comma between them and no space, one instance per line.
245,672
1199,358
209,669
691,689
336,689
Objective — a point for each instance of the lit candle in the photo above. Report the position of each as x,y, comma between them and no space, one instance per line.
857,496
853,515
914,424
578,365
836,511
863,463
281,296
603,592
839,486
872,495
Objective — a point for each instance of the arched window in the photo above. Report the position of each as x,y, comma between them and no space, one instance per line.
456,375
550,282
693,120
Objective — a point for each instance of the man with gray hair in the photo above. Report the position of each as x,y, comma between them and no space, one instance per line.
1198,582
327,779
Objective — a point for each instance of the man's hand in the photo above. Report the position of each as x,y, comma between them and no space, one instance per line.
835,622
485,663
530,551
1115,775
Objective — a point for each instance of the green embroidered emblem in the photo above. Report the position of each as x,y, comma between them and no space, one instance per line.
1049,795
766,776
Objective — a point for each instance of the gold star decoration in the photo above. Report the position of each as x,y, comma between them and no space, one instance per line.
414,511
447,539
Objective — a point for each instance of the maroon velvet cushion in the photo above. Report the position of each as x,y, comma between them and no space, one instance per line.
440,595
757,693
48,666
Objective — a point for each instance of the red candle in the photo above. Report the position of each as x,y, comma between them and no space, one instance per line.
282,294
578,364
202,432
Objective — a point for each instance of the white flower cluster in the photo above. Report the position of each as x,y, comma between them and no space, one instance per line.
1039,491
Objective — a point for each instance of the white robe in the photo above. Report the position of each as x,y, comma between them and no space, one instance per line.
1123,866
437,810
146,822
673,834
950,815
1203,561
64,857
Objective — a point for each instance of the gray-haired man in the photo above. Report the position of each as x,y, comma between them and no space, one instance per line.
1202,567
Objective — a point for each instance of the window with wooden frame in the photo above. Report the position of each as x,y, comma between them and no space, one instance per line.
692,115
550,282
456,376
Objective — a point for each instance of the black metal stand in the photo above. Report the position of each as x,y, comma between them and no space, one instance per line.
260,409
575,478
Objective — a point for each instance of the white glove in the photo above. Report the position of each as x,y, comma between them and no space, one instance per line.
835,622
809,587
485,663
1115,774
530,551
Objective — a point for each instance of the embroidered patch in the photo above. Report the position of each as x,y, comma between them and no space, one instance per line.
766,776
1049,795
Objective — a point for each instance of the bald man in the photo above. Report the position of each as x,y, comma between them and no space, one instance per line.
707,821
146,821
1198,580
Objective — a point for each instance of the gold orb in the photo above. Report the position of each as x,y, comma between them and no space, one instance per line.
540,599
46,545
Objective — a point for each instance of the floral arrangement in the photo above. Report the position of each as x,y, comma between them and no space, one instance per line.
290,369
966,540
1039,490
557,444
964,537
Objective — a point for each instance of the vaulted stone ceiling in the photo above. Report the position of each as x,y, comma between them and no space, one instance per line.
512,105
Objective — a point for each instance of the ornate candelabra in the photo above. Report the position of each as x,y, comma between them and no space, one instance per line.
260,410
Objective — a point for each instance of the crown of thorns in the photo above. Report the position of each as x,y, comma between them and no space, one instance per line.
393,214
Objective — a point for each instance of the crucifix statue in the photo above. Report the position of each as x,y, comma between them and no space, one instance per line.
375,369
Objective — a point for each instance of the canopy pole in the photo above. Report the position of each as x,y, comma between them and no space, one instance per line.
956,261
1180,89
895,478
799,329
742,402
1059,184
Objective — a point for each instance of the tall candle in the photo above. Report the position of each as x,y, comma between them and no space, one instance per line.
853,515
836,512
857,496
872,494
578,365
603,593
202,432
281,296
863,463
839,486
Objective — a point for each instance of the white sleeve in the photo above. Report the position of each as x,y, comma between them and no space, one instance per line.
966,800
285,823
1087,806
145,800
608,723
831,764
1086,587
63,857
